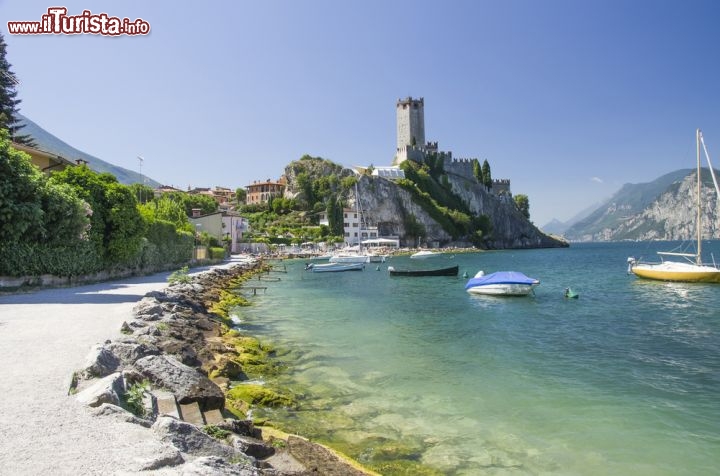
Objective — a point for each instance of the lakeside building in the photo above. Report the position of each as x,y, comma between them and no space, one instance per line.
162,189
263,192
354,230
46,161
227,226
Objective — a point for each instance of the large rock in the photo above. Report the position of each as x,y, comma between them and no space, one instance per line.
118,413
215,466
318,459
100,362
148,309
191,440
187,383
106,390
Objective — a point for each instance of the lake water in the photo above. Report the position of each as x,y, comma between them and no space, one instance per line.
623,380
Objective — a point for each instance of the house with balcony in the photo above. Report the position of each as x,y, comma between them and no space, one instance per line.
262,192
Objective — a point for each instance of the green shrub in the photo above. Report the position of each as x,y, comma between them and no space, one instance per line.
217,252
217,433
134,397
180,276
34,259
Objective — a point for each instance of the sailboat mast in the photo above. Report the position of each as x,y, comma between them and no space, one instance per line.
698,134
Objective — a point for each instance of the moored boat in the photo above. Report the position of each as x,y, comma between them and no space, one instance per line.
693,270
501,283
424,254
334,267
451,271
349,258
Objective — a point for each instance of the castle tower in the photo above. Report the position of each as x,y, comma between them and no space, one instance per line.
410,122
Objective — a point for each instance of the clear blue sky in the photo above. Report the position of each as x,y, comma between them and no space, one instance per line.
567,99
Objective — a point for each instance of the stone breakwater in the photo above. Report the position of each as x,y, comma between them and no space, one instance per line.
171,372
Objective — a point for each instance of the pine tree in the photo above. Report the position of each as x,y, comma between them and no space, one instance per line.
8,104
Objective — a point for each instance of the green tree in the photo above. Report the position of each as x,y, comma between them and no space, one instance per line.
66,216
189,201
143,193
413,228
8,103
116,226
477,170
166,209
334,212
486,175
20,204
240,195
522,202
31,208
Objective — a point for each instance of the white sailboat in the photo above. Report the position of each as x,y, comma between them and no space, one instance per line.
356,253
692,269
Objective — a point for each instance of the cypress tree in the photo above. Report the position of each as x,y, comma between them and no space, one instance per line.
487,177
8,102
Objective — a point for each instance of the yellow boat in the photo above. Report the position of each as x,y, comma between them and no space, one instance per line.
692,270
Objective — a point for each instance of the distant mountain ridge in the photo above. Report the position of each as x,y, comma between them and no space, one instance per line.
557,227
49,143
664,209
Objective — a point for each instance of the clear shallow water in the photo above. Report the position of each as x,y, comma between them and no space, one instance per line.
623,380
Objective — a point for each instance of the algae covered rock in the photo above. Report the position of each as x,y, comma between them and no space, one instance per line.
188,384
243,396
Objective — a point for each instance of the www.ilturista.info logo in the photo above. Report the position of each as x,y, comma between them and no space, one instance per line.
58,22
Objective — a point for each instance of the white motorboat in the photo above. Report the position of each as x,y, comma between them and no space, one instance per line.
501,283
350,258
425,254
334,267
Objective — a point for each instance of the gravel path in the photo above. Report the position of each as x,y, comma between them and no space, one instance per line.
45,337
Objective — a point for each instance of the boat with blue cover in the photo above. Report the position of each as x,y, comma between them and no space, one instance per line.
501,283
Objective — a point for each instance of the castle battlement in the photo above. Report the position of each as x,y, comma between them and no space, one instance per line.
411,145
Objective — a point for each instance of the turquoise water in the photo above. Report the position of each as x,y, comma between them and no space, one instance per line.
623,380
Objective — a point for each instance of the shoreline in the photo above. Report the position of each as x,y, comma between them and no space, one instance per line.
189,325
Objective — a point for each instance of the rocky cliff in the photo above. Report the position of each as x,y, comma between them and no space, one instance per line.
387,205
672,215
510,228
392,208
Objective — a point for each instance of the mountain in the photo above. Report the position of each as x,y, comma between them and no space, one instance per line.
557,227
664,209
49,143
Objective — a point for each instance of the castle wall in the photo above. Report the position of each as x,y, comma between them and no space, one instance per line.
464,168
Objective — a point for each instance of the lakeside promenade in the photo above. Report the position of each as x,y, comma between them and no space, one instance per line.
44,337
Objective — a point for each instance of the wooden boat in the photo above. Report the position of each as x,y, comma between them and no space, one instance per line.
334,267
693,270
451,271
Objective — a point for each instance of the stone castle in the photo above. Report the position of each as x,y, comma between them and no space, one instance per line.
411,144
